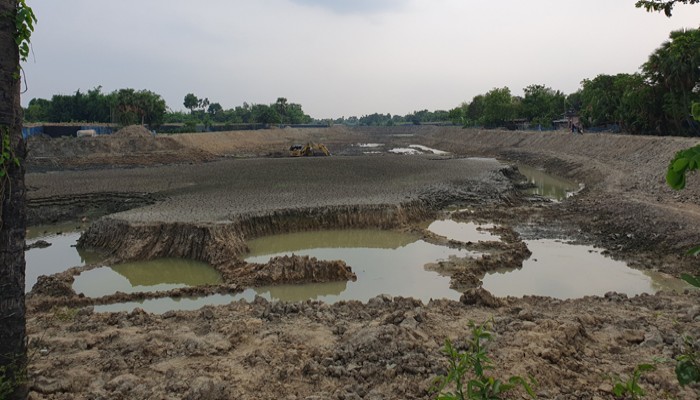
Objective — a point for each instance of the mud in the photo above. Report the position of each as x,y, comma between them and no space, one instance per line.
386,348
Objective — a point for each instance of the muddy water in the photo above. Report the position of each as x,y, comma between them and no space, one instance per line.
385,263
61,255
566,271
547,185
463,231
145,276
160,306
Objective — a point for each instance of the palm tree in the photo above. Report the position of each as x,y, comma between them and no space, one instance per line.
13,217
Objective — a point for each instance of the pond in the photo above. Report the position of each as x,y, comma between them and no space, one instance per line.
61,255
145,276
386,262
549,186
563,270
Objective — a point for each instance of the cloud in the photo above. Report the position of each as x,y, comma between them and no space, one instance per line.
355,6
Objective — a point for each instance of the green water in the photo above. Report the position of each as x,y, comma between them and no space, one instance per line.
385,262
547,185
145,276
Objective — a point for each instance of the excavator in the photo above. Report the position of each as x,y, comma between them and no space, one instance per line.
308,150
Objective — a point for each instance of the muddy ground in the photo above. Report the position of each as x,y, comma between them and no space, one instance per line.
387,348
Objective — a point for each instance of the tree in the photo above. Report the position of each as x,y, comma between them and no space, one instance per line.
264,114
191,102
142,107
665,6
541,104
498,107
16,25
674,69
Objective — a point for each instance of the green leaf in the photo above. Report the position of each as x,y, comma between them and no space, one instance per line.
675,180
687,372
693,280
646,367
680,164
694,251
619,389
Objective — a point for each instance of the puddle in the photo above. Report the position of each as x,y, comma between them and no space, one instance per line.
405,150
463,231
61,255
547,185
566,271
160,306
414,149
385,262
427,149
145,276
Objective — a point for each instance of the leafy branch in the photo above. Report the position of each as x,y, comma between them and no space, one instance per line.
665,6
24,25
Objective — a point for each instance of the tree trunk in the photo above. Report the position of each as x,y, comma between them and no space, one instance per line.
13,217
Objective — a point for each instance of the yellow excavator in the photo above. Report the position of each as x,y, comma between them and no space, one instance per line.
308,150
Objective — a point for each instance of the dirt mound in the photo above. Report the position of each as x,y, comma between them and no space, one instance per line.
131,146
53,286
294,269
133,131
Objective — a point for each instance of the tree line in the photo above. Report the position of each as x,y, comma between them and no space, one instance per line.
202,111
657,100
123,106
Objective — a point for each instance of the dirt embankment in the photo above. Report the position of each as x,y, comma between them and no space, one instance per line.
131,146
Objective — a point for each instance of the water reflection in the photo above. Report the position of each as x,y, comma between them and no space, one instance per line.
145,276
565,271
61,255
160,306
463,231
546,185
350,238
384,261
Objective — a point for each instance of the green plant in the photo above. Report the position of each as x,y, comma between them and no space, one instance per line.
7,158
630,388
64,314
688,364
476,362
12,376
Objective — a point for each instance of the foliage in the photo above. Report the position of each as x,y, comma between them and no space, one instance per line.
7,159
11,378
665,6
24,25
138,107
541,105
630,388
124,106
685,161
497,107
475,361
674,71
688,364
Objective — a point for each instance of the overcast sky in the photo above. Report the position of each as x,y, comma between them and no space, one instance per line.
338,58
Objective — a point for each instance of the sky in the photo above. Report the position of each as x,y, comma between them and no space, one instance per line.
338,58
